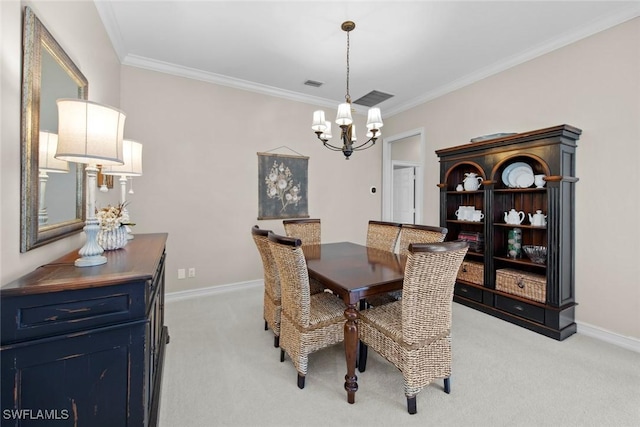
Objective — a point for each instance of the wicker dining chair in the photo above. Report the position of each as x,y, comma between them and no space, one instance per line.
309,322
417,233
307,230
410,233
272,297
383,235
272,305
414,334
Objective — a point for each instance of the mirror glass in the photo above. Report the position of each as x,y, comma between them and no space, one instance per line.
52,197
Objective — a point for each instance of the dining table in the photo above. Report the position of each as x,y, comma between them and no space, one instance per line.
354,272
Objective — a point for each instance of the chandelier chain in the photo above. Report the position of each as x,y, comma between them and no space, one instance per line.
347,96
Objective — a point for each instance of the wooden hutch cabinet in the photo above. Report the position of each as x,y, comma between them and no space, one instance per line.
85,346
548,310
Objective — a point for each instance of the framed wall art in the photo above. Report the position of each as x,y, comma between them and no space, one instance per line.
282,186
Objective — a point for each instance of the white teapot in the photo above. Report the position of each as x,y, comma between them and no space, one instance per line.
538,219
472,181
513,217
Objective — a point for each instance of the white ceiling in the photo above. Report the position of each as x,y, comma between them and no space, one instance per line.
415,50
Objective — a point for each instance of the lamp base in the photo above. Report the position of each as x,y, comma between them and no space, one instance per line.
91,252
90,261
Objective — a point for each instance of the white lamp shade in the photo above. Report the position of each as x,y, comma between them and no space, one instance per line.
89,132
132,157
48,143
374,119
344,114
319,122
326,134
354,138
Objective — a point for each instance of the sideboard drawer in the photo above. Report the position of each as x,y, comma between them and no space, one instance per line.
34,316
519,308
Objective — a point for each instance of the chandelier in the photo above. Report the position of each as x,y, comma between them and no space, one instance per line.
322,127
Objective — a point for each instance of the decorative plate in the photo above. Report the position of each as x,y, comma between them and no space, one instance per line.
511,167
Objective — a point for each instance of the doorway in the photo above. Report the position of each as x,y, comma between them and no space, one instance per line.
403,177
404,192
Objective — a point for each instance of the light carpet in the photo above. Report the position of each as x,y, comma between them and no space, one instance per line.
221,369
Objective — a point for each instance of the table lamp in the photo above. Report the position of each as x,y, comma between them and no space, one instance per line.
47,163
92,134
132,157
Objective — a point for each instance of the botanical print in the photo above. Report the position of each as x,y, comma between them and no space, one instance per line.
282,186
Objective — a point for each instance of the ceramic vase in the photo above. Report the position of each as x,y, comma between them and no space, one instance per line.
113,239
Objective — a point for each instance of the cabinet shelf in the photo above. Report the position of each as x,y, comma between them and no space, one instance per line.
520,190
549,152
527,226
520,261
457,221
462,193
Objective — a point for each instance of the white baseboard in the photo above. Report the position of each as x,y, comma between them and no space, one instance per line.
629,343
195,293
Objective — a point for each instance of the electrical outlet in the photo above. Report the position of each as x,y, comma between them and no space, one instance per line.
192,272
181,273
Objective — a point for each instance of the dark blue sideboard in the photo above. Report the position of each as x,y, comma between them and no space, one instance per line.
85,346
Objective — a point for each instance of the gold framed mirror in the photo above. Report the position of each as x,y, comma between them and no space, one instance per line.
52,204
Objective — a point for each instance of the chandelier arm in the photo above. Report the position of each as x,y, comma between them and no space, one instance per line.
332,147
326,144
362,146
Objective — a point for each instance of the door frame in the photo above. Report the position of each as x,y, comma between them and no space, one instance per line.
387,174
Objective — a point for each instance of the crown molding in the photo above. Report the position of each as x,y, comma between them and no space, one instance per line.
106,14
219,79
595,27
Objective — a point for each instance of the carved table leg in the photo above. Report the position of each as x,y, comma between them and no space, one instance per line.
351,350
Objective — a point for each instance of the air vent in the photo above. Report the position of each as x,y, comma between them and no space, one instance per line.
313,83
373,98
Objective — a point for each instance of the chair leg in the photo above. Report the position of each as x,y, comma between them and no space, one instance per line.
447,385
362,359
276,341
281,355
411,404
300,381
266,326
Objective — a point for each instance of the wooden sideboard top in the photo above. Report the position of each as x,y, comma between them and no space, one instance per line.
139,260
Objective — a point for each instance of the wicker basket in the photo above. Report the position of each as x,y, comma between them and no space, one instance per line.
472,272
523,284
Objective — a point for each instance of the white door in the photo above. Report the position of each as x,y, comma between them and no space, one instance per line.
404,194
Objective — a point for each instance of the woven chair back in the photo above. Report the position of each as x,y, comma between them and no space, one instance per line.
427,292
271,278
383,235
415,233
307,230
294,278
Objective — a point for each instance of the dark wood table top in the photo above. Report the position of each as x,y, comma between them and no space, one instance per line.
354,271
137,260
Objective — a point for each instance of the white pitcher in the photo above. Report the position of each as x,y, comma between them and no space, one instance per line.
472,181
